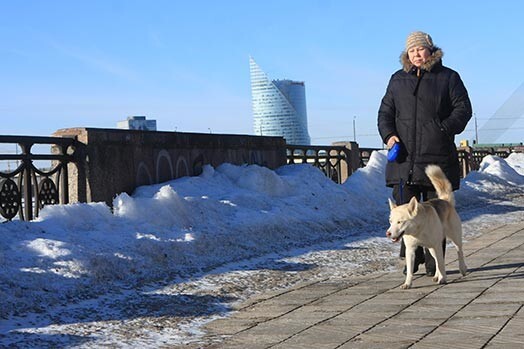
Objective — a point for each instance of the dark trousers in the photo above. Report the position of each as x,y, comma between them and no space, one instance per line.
402,195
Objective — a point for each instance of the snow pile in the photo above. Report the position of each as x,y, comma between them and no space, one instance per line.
516,161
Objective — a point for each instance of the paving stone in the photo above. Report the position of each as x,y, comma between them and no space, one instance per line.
263,312
512,335
501,295
463,333
304,316
321,336
229,326
429,311
372,341
478,310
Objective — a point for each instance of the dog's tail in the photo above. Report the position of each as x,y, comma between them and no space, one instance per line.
441,183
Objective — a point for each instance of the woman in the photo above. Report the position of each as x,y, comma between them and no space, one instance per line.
425,106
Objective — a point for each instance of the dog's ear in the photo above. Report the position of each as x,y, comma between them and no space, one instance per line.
392,205
413,206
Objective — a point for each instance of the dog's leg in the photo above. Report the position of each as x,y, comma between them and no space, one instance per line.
462,264
440,273
410,264
460,253
455,235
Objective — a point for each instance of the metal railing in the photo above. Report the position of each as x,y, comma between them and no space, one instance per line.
470,157
364,155
25,190
334,161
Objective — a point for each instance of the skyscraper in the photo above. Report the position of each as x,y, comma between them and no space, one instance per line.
279,107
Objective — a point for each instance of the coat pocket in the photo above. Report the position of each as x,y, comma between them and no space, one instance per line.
434,141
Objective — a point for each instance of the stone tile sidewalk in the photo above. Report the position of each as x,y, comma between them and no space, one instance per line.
484,309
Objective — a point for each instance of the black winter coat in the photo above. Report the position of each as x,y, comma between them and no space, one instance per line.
425,110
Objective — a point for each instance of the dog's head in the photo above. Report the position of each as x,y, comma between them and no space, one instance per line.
401,219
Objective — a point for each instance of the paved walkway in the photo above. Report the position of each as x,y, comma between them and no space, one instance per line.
484,309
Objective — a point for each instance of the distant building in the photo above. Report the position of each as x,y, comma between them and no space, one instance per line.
279,107
137,123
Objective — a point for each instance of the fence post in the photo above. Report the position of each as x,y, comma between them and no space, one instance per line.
26,183
64,184
353,156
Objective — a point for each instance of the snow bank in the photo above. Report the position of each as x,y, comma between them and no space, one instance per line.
190,225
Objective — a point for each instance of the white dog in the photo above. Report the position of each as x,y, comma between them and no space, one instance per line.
428,224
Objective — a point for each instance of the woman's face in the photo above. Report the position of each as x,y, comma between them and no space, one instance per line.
418,55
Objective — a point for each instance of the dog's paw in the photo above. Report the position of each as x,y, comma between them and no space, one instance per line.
405,286
435,279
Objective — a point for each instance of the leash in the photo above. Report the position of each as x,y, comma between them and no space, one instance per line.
392,156
401,188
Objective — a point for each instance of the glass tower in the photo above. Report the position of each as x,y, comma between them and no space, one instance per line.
279,107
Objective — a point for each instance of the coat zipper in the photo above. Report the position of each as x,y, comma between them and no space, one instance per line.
415,93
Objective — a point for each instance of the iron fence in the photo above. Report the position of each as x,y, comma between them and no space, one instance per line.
25,190
334,161
470,158
364,155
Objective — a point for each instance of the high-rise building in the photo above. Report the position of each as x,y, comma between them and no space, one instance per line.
279,107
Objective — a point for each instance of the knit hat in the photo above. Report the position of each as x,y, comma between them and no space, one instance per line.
418,38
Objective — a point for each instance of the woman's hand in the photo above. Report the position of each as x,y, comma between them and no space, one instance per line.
392,140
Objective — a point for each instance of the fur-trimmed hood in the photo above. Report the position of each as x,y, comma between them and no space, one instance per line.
435,58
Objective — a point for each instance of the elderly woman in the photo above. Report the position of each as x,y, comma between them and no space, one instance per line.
425,106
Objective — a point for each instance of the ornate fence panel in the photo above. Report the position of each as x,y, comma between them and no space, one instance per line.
365,154
334,161
470,158
25,190
328,158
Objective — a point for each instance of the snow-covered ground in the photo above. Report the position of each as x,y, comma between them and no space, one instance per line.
174,256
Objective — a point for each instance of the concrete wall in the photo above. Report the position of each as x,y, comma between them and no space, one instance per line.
111,161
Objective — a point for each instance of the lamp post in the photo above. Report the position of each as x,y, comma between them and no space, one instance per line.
476,130
354,129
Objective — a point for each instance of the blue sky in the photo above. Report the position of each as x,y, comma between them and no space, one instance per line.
186,63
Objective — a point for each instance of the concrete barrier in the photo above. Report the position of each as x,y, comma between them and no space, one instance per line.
111,161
